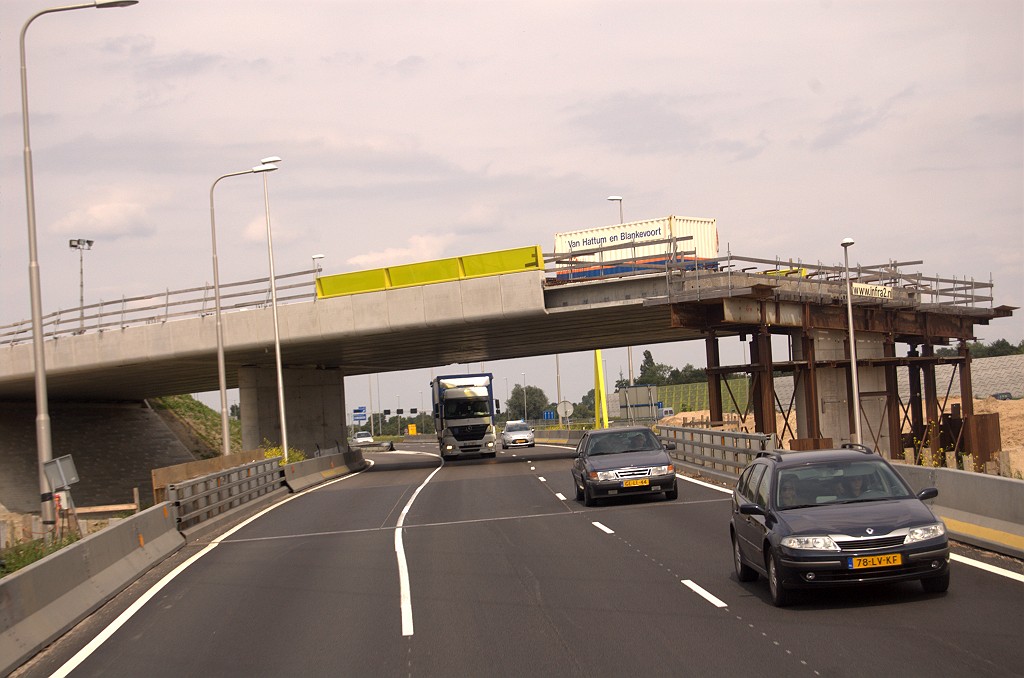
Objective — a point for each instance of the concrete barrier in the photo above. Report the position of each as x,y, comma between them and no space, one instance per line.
305,474
45,599
558,437
978,509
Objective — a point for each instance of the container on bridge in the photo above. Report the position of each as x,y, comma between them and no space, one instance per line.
689,242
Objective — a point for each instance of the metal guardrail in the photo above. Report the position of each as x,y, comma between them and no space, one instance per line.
680,276
815,277
724,453
201,499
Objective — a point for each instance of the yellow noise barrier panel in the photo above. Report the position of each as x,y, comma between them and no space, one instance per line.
429,272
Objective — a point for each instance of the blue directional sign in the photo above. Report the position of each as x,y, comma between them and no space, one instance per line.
549,414
359,410
358,416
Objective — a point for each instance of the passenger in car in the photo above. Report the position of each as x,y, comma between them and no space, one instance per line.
852,487
787,492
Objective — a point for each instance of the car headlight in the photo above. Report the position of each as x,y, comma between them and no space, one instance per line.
663,470
602,475
810,543
924,533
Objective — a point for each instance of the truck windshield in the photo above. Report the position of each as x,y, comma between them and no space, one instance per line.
465,409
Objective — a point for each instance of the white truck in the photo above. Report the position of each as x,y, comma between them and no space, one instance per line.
691,242
464,410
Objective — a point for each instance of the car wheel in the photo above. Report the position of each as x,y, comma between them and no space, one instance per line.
743,571
673,494
579,492
936,584
780,596
588,498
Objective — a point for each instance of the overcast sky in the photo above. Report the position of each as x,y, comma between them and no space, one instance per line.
419,130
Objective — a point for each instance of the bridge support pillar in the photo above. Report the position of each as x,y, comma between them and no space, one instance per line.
833,408
314,405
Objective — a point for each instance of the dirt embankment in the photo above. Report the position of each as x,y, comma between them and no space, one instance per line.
1011,428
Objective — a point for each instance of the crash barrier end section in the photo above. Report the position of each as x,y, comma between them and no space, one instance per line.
305,474
40,602
724,452
559,436
205,498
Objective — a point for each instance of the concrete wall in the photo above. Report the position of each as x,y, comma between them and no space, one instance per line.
314,407
833,389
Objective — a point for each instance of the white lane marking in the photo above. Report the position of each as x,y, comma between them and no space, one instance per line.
83,654
702,593
403,567
560,496
601,527
985,566
533,468
703,484
542,479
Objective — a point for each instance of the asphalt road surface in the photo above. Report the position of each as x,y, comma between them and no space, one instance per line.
489,567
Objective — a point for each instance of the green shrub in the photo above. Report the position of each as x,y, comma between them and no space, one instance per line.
25,553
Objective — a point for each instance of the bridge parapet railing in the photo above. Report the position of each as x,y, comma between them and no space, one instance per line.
683,279
682,272
724,453
161,307
201,499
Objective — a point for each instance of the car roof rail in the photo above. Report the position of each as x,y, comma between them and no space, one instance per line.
773,454
857,446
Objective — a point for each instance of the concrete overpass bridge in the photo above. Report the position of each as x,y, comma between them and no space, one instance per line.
166,343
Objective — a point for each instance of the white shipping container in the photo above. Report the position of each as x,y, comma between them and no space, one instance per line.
633,241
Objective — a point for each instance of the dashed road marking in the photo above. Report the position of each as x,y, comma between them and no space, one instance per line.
703,593
606,530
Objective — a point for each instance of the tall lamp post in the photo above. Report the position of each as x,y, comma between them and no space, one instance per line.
847,242
273,304
44,441
525,416
629,349
221,371
81,244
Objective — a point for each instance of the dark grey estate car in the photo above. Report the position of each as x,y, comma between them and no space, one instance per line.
833,517
618,461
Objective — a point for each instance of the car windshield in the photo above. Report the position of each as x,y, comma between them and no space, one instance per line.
625,441
517,427
837,483
467,408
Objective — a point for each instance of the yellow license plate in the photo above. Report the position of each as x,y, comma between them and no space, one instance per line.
863,562
636,482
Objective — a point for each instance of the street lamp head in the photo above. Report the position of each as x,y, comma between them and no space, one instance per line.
615,197
80,244
846,242
271,159
264,168
318,256
115,3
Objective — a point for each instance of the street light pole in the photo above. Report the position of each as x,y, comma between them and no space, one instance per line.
219,324
44,440
629,349
273,304
525,416
847,242
81,244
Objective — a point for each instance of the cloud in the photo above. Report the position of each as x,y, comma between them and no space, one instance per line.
419,248
636,123
110,220
856,119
